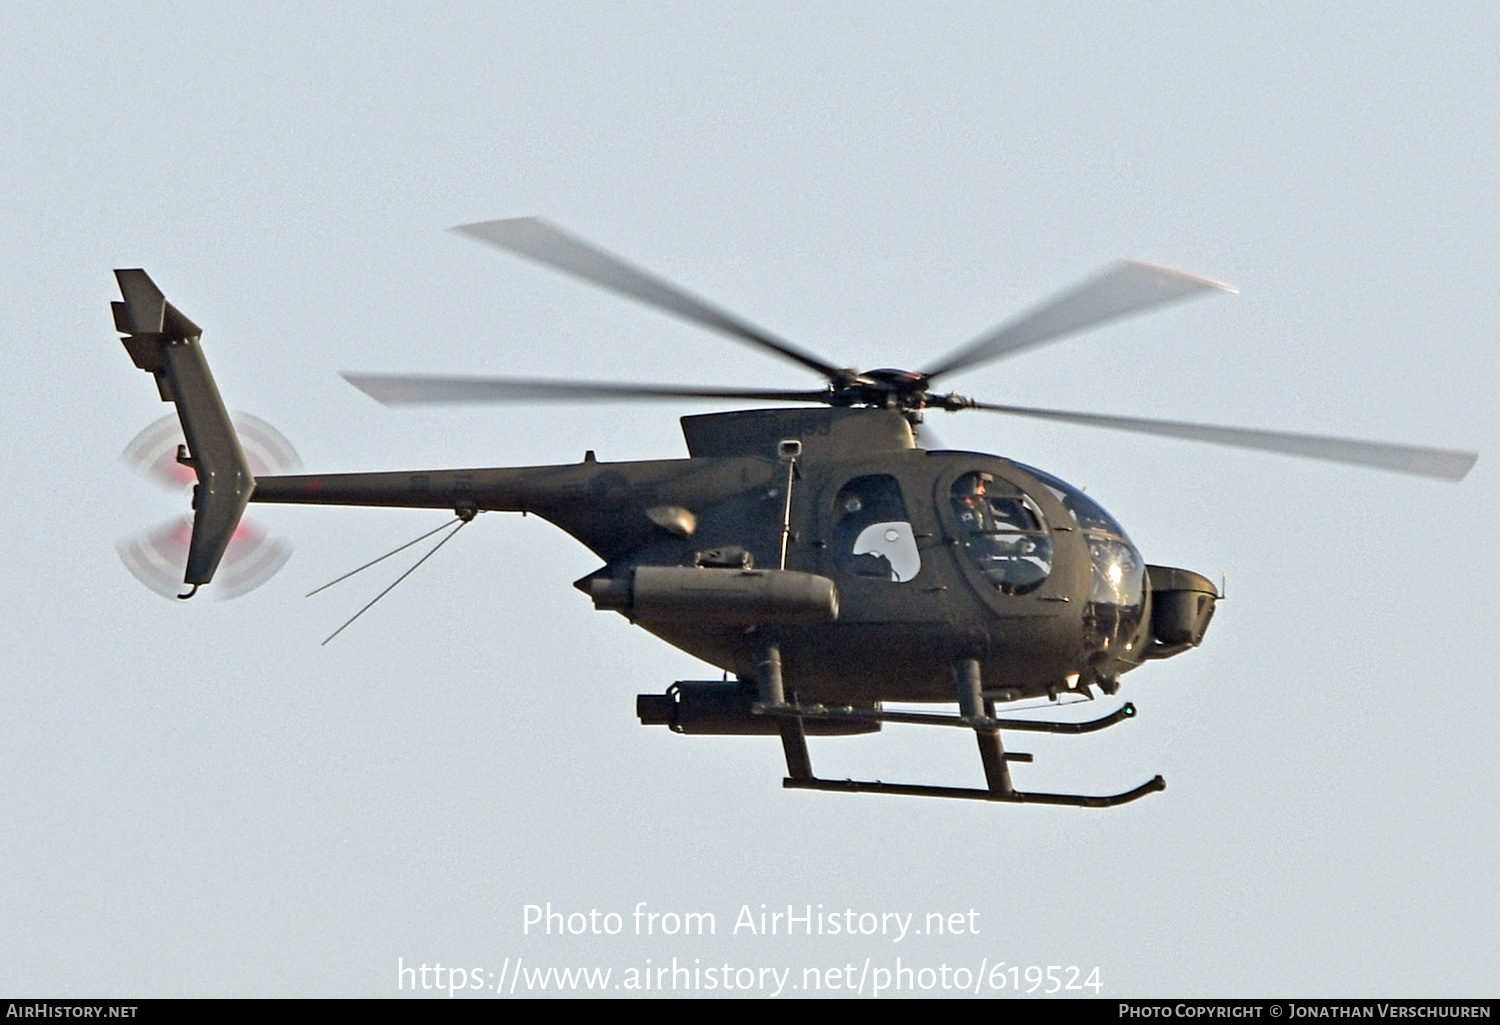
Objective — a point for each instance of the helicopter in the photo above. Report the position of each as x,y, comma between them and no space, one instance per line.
820,556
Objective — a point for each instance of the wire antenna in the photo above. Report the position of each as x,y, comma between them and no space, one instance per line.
381,558
462,522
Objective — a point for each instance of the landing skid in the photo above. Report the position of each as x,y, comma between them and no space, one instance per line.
855,786
975,712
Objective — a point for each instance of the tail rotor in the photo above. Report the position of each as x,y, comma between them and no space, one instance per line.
156,557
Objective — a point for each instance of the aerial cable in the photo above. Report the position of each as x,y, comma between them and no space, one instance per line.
462,522
381,558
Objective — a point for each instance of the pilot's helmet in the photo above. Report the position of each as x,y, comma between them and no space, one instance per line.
974,484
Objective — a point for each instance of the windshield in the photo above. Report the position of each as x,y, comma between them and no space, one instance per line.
1089,513
1117,590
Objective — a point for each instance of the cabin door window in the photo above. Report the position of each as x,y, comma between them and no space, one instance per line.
872,535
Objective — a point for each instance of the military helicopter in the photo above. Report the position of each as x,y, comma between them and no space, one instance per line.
819,556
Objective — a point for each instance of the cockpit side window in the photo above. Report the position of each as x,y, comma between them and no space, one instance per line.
872,534
1003,532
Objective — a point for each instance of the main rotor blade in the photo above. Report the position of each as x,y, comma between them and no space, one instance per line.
1118,291
1444,464
410,389
545,243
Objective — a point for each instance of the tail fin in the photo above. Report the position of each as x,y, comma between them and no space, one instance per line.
164,343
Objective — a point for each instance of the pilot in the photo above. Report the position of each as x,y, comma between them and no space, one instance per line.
998,529
971,501
983,513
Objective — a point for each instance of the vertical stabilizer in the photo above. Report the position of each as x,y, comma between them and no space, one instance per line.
164,343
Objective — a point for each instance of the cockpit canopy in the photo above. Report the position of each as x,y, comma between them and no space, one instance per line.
1117,592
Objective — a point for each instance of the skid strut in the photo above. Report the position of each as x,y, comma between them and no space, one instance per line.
972,706
976,712
773,695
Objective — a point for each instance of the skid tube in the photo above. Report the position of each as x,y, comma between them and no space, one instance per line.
985,725
854,786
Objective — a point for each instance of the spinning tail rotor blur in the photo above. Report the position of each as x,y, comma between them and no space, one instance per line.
156,556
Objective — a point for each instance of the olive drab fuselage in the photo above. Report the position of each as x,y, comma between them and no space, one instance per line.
921,578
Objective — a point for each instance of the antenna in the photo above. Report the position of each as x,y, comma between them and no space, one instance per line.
788,451
465,516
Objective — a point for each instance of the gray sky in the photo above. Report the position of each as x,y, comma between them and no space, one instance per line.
200,800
